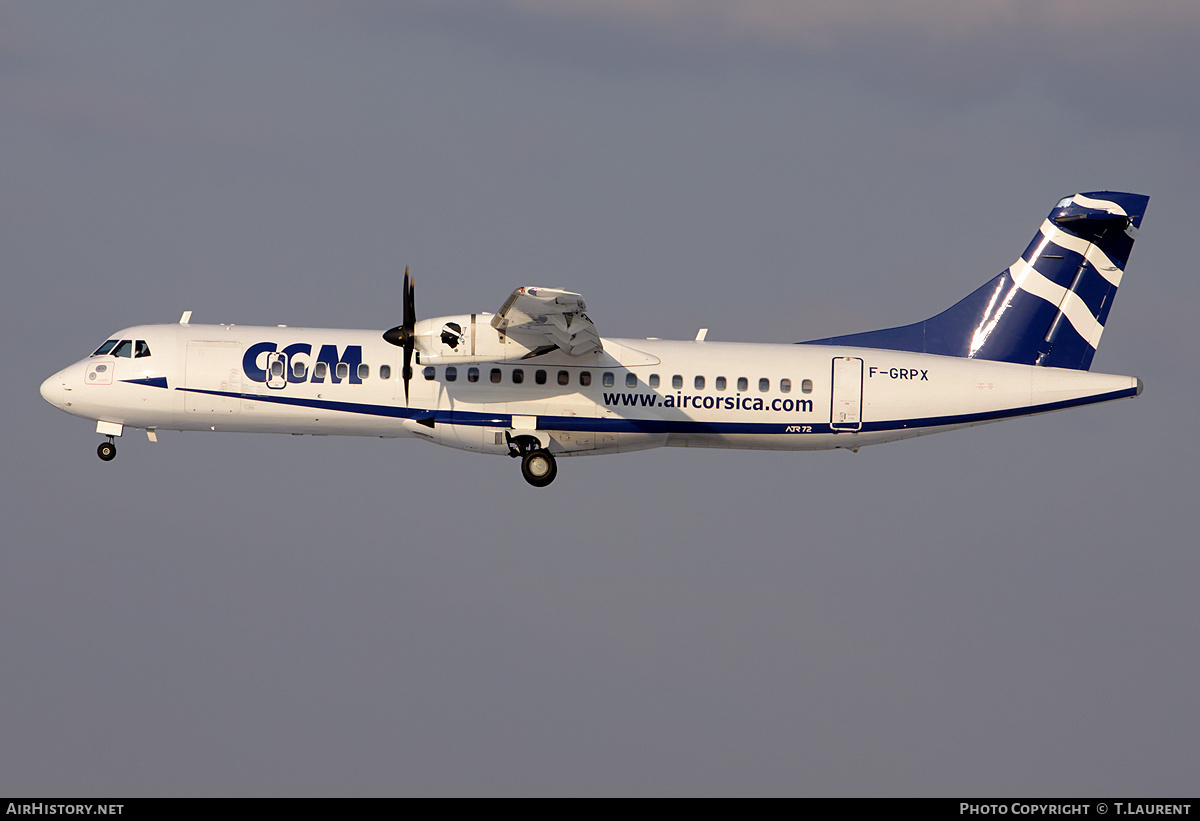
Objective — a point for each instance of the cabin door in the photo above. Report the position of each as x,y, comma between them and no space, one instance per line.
846,410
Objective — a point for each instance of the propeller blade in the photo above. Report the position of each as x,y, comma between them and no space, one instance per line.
404,335
410,321
410,305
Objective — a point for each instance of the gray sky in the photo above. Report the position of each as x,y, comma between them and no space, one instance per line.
1008,610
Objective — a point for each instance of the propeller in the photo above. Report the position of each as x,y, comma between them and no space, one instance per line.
404,335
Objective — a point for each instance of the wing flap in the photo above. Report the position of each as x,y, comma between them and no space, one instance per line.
536,316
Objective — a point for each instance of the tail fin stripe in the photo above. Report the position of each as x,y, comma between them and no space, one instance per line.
1100,205
1028,279
1100,260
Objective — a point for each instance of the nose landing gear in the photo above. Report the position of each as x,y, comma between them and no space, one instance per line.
107,450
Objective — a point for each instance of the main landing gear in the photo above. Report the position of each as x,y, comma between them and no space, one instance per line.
538,467
537,464
107,450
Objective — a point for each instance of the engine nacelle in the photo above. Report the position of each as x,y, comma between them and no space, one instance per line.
464,339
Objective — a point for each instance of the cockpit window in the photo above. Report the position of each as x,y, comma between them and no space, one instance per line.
124,347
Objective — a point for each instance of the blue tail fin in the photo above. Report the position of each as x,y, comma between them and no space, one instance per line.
1049,308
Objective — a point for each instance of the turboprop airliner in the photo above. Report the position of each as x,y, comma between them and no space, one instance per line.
535,381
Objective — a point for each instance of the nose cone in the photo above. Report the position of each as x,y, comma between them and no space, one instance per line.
54,390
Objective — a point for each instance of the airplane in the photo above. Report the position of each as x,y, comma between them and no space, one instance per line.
535,381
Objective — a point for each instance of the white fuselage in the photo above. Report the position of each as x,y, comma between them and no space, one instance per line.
631,395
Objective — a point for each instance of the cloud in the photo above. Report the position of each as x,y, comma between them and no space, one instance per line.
83,106
1106,58
817,25
17,44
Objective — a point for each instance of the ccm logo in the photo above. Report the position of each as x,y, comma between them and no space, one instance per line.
263,359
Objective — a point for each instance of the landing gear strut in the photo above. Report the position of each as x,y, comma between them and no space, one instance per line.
537,464
107,450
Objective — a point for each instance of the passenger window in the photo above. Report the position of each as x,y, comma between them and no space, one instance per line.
785,386
105,348
319,372
676,381
298,370
140,349
343,371
630,380
764,384
585,378
518,376
428,372
385,371
495,376
742,383
699,382
539,376
277,368
564,378
364,371
124,348
607,379
806,386
720,383
654,380
451,373
472,374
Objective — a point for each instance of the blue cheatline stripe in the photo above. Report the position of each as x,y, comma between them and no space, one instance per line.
607,425
152,381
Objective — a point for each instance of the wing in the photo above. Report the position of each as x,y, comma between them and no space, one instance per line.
540,317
